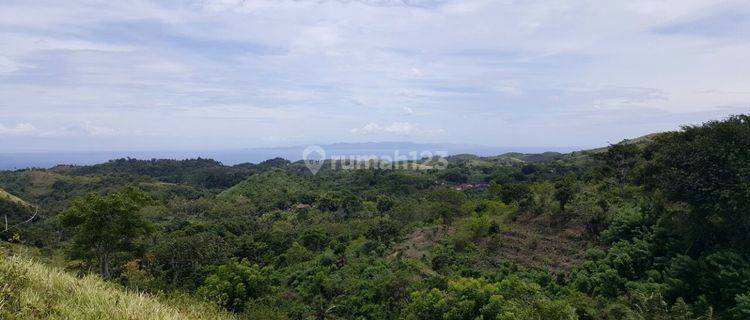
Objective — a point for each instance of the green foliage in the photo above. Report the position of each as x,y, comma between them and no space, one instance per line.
565,190
619,161
181,256
543,197
384,229
269,190
742,308
202,172
707,167
314,239
594,208
468,298
723,276
665,222
472,228
235,284
454,175
297,254
624,223
11,214
512,193
105,225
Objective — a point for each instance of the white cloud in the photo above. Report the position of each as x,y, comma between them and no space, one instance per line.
397,129
510,90
79,129
317,40
88,128
370,128
21,129
7,65
253,68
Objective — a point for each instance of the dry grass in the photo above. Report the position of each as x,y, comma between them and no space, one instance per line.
7,196
536,242
33,290
419,243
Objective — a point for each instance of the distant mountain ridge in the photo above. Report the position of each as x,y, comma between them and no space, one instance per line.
13,161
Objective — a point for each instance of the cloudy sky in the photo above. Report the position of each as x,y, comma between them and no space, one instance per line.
227,74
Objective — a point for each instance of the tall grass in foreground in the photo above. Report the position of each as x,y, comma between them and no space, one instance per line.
31,290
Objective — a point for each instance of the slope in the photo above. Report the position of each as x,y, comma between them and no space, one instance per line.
4,195
32,290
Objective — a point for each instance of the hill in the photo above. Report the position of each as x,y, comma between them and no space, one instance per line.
32,290
255,155
272,189
651,228
639,141
4,195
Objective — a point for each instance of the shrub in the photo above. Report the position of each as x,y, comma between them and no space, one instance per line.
723,276
471,298
232,285
625,224
542,199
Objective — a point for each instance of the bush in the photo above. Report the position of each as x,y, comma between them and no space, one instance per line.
511,193
234,284
471,298
723,276
625,224
707,167
742,310
471,229
314,239
542,198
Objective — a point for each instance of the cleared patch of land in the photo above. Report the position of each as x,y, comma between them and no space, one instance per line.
531,241
537,242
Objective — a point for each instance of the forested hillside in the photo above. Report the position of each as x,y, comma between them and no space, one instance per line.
653,228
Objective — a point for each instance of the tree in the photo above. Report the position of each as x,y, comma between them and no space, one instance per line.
232,285
105,225
476,298
179,256
619,160
565,190
455,175
706,167
512,192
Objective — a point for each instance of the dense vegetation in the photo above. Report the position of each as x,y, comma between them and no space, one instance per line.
653,228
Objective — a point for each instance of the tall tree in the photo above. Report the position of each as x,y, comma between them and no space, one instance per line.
105,225
565,190
708,168
619,160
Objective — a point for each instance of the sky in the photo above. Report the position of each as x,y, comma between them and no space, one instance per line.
81,75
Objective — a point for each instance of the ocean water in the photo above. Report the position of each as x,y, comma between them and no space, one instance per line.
15,161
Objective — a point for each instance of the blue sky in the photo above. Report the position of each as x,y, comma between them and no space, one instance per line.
228,74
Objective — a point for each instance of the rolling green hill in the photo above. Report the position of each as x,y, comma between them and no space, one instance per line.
272,189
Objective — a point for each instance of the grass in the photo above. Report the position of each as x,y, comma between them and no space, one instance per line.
7,196
32,290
